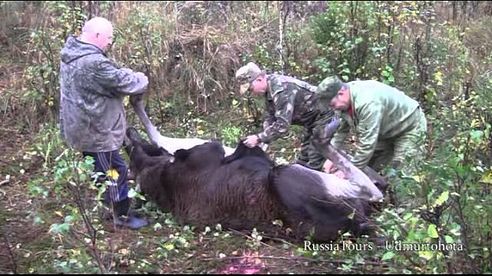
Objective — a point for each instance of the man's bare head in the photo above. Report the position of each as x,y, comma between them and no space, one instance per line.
98,31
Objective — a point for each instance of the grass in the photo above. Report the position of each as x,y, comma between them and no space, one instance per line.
162,247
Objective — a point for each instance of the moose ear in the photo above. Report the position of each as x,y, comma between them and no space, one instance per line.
181,154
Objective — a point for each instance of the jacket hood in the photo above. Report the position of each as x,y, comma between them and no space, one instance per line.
75,49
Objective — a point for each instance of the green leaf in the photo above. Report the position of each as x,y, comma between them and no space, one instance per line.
476,135
432,231
407,216
38,220
426,254
388,256
442,198
132,193
59,228
438,77
487,178
157,226
69,219
448,239
169,246
455,231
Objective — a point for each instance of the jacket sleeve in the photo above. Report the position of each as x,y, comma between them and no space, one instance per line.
370,117
270,115
340,135
120,81
284,109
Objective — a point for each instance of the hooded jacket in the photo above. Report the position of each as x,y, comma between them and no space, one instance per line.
380,112
92,114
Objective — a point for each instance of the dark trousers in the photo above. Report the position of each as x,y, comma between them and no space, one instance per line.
310,155
117,189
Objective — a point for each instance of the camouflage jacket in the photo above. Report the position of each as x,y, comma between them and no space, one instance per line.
92,115
288,101
380,112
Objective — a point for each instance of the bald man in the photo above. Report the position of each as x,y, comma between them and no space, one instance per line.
92,115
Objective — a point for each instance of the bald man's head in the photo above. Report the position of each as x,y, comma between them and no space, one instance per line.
98,31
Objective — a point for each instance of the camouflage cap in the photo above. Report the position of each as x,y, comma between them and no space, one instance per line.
329,88
246,74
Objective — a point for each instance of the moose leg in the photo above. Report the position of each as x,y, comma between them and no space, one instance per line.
138,105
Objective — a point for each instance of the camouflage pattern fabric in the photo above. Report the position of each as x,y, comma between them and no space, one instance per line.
309,154
290,101
92,115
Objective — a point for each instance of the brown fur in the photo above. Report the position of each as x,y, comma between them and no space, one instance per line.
243,191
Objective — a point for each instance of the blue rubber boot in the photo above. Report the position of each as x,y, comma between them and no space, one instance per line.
127,219
131,222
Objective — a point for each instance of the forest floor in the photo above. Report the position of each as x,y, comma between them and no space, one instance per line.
162,247
27,246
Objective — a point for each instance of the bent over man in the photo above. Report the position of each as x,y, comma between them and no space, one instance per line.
389,126
289,101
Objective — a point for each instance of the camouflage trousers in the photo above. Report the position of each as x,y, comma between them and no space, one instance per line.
309,155
398,152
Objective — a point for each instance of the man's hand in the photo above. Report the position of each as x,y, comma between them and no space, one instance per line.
252,141
142,77
339,174
136,99
328,166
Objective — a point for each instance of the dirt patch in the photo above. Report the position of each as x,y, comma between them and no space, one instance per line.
17,229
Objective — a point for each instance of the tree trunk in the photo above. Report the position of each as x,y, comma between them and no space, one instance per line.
281,38
454,11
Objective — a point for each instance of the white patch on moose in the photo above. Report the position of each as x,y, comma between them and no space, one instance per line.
174,144
335,186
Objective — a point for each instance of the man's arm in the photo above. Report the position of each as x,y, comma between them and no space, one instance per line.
270,114
370,117
122,81
340,135
284,109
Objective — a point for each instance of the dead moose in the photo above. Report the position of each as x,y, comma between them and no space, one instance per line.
242,191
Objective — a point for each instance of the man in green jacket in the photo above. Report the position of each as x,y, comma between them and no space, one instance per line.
288,101
389,126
